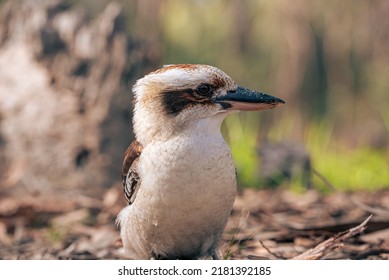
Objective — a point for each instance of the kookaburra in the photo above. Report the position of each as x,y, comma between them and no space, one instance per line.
179,175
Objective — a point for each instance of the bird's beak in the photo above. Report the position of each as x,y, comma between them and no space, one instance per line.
244,99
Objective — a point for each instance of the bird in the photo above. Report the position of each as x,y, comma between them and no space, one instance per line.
179,175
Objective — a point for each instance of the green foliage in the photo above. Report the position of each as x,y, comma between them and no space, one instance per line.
362,167
241,135
346,169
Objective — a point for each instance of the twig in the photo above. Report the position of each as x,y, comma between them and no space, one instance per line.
332,243
324,179
376,211
270,252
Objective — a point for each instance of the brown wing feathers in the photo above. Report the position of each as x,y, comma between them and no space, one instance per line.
129,170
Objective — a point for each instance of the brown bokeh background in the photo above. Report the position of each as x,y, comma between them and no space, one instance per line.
66,71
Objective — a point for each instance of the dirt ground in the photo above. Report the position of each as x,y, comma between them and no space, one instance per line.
265,224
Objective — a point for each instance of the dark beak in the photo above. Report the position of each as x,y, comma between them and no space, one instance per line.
244,99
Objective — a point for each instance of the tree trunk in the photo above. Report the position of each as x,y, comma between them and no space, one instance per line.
64,98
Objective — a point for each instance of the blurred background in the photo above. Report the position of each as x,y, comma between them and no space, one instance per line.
66,72
328,59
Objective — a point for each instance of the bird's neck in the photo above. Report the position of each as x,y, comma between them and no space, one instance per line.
164,129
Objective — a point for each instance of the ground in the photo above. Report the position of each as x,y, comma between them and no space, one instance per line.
264,224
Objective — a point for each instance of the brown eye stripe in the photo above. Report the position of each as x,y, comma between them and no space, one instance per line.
176,101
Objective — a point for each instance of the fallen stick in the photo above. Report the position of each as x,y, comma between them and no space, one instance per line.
332,243
368,208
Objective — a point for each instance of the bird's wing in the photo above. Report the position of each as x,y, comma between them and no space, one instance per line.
130,176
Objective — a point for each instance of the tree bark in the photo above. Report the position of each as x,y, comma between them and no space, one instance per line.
64,97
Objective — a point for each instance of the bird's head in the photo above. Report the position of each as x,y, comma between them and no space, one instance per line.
178,96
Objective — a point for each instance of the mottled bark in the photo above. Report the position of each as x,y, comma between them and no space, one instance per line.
64,97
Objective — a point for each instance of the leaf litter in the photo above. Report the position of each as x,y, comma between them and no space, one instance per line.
264,224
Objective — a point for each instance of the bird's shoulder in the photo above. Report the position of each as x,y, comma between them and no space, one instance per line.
130,175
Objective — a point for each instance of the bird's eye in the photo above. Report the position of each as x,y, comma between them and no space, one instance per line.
204,89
